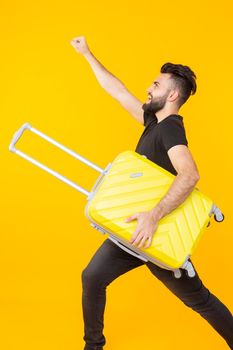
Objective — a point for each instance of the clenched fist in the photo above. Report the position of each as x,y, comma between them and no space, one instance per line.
80,45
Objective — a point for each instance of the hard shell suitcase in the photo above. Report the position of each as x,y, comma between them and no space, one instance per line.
132,183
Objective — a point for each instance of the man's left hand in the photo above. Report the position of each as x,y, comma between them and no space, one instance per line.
145,229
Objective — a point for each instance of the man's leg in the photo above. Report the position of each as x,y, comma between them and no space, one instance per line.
107,264
195,295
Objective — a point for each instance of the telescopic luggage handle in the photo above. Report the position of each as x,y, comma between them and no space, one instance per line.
215,210
27,126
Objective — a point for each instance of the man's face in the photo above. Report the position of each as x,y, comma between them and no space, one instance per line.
158,93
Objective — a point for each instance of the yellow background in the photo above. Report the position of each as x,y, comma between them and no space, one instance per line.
46,241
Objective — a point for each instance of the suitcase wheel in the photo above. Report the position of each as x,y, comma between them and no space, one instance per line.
219,217
177,273
190,273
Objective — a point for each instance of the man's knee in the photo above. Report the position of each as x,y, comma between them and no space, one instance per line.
91,279
87,277
197,300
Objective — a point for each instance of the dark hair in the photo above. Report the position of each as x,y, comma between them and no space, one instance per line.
183,77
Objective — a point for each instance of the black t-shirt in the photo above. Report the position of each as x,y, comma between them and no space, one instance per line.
158,138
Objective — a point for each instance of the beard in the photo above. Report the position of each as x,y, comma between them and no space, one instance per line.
155,105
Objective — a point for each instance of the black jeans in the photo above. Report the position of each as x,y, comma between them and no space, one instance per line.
110,261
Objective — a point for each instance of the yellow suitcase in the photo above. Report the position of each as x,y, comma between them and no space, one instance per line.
130,184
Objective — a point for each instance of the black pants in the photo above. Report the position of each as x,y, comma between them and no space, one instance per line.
110,261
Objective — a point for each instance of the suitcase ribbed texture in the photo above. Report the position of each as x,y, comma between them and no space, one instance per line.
133,184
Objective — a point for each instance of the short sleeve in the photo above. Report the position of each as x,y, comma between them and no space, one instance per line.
148,117
173,133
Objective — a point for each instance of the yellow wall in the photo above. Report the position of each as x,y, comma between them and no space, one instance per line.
46,241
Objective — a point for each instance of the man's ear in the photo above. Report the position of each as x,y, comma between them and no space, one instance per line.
173,96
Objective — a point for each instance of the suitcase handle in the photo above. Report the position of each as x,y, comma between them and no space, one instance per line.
17,136
98,182
27,126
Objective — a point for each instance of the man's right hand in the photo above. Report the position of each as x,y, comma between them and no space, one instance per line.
80,45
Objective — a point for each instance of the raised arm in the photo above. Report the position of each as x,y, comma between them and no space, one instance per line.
109,82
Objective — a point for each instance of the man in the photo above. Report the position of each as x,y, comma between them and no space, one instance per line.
164,142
